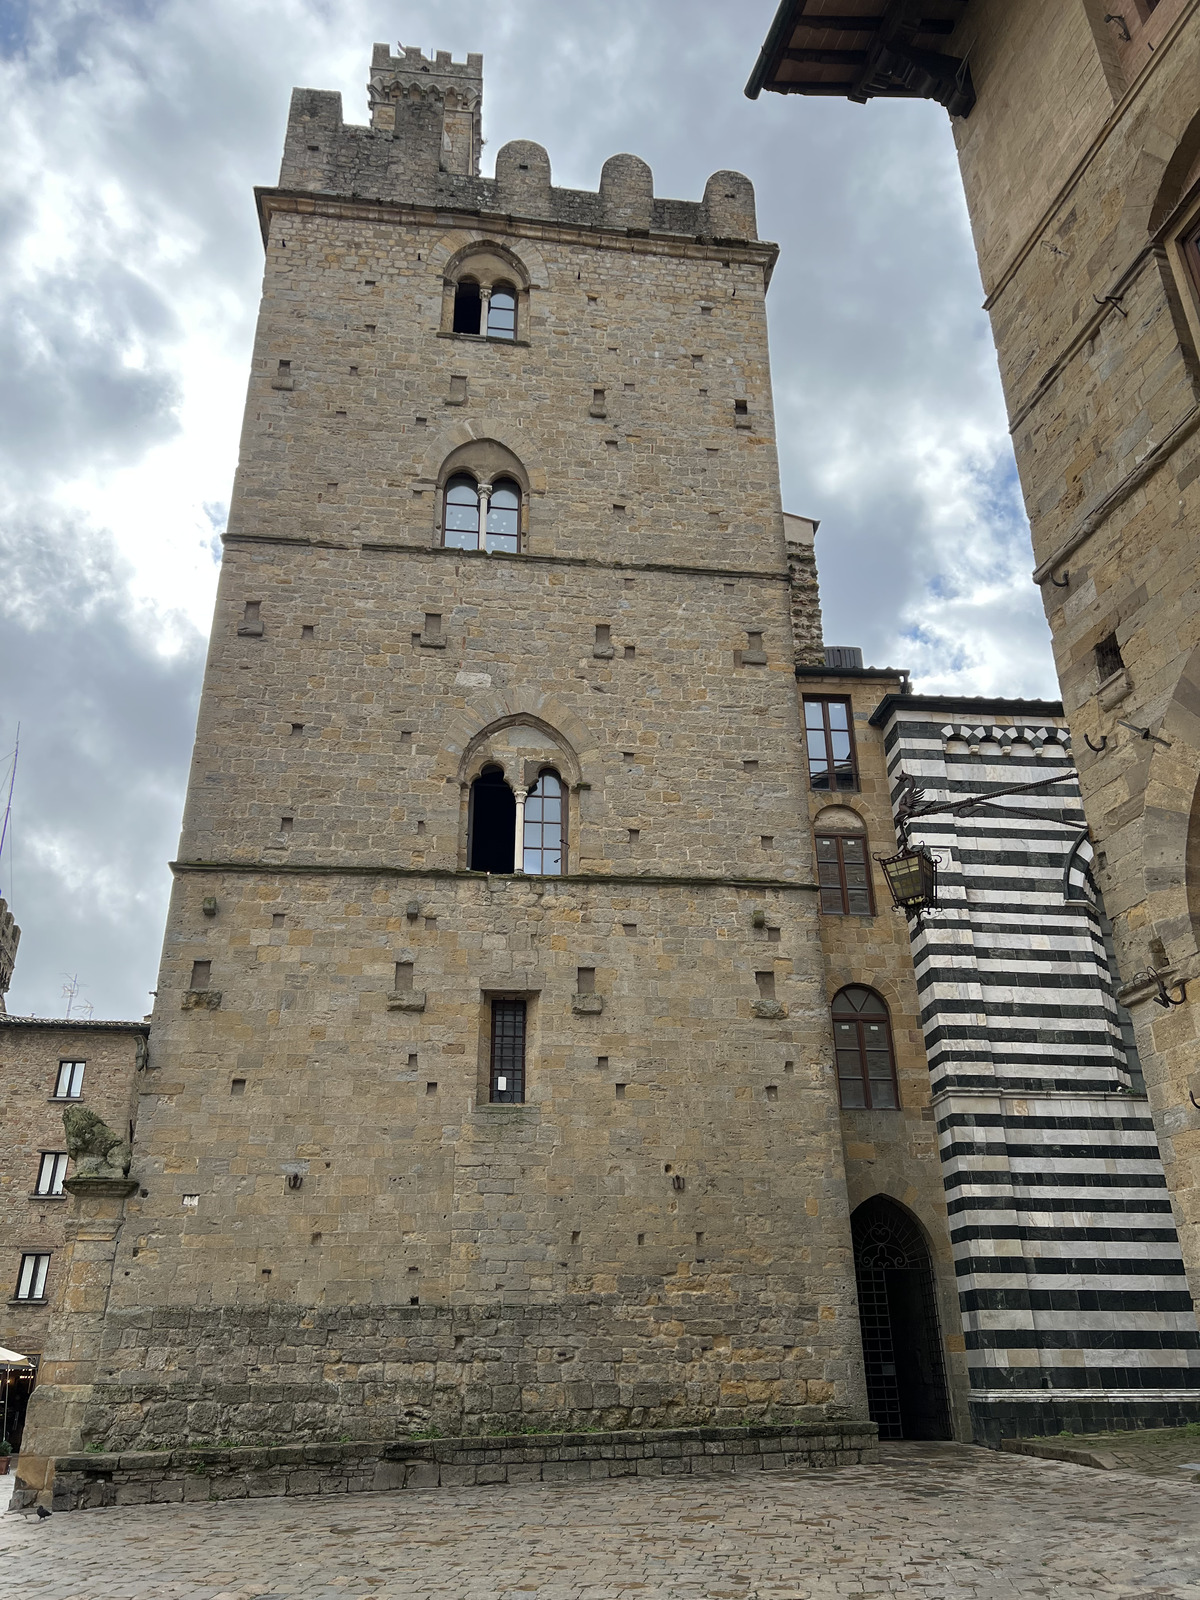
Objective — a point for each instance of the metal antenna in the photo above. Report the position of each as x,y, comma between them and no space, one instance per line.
11,781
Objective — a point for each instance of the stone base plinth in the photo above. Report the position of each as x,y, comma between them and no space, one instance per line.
156,1476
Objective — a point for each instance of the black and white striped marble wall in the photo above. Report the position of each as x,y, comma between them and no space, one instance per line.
1075,1306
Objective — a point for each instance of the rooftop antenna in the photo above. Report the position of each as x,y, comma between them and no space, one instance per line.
12,778
70,991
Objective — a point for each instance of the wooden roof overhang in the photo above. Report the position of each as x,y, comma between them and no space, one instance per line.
863,49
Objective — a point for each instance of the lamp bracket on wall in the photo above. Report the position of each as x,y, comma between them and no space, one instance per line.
1162,998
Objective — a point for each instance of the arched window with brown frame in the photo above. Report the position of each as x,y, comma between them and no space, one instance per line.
862,1042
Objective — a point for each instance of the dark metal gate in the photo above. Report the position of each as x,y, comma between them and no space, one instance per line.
897,1305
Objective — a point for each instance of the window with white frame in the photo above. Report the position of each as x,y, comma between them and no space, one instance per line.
31,1280
481,516
51,1172
70,1080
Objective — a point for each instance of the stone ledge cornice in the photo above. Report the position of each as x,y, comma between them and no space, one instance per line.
303,202
445,552
577,880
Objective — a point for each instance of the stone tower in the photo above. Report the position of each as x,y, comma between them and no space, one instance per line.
491,1077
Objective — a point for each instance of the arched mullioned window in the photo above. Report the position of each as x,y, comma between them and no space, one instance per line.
502,312
486,293
862,1041
545,833
482,516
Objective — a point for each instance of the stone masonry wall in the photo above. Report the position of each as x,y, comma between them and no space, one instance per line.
335,1230
31,1119
1096,316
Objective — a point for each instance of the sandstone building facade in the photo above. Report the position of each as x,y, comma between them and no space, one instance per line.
1078,131
534,1046
428,1141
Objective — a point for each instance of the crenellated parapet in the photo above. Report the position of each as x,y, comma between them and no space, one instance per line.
423,145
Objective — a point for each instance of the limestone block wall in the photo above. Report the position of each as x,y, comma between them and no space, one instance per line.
891,1153
336,1231
30,1052
1095,310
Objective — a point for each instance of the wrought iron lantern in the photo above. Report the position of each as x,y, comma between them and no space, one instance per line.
912,877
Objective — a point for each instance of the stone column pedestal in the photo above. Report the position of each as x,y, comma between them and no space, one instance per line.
84,1279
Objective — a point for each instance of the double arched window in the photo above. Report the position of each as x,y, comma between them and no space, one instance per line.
523,831
862,1042
482,516
485,309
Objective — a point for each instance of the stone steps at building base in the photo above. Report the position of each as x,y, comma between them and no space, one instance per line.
366,1466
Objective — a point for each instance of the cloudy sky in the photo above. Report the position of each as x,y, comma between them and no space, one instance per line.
130,266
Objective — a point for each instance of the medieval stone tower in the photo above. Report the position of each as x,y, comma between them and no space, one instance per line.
491,1077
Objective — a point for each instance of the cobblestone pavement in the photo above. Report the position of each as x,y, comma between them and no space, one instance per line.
1158,1452
936,1521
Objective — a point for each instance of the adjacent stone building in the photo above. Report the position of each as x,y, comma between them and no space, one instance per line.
1078,131
534,1046
46,1066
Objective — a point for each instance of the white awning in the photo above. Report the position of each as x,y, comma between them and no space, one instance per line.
10,1358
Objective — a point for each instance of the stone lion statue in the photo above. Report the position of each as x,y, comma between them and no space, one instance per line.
96,1150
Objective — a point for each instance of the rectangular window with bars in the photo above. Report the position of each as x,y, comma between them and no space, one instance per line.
844,874
830,741
51,1172
70,1080
508,1052
31,1280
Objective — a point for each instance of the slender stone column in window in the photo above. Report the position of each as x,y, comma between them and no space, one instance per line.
519,838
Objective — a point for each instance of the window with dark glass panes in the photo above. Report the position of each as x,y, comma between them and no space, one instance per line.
508,1052
830,744
844,875
503,530
862,1042
543,842
502,314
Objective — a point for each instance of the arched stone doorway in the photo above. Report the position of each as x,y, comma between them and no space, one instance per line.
897,1308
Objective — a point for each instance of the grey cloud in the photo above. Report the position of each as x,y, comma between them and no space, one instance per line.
890,420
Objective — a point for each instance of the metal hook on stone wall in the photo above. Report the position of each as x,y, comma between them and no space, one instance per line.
1103,745
1162,998
1065,582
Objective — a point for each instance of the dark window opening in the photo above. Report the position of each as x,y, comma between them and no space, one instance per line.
844,875
493,823
1108,657
502,314
862,1043
830,742
508,1052
468,307
897,1308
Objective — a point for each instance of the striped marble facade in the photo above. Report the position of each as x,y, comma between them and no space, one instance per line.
1074,1302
